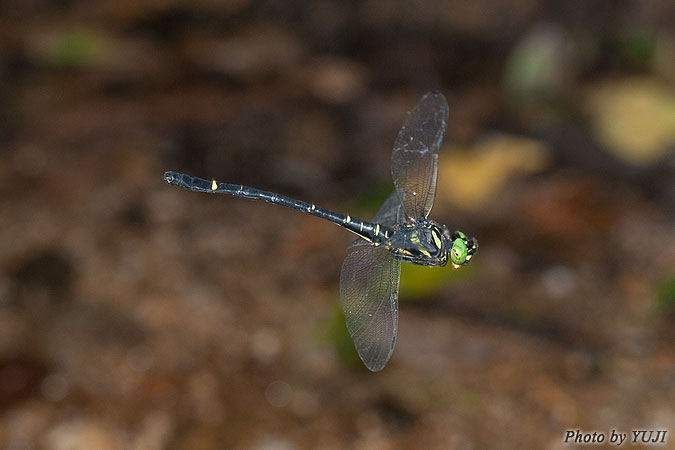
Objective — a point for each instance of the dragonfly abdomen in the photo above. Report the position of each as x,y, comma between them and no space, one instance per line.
373,232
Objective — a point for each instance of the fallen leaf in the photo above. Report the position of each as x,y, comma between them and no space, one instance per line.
634,119
471,176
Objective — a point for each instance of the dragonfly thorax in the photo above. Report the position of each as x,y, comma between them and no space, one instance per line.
427,243
422,243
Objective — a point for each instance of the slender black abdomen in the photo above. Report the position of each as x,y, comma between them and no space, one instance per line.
373,232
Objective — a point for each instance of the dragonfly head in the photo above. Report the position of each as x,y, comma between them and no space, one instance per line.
462,249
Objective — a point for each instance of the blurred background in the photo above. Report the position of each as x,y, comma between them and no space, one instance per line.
135,315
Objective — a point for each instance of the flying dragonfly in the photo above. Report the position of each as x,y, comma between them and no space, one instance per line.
399,232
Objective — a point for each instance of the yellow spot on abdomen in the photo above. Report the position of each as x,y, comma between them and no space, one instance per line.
214,185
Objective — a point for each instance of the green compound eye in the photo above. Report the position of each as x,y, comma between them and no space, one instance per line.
458,252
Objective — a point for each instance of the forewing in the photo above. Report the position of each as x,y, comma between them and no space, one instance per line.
369,295
414,161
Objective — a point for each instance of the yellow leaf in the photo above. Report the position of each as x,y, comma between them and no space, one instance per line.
634,118
469,177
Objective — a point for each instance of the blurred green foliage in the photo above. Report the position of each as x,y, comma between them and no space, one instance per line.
537,67
336,333
369,201
421,281
637,47
665,295
75,49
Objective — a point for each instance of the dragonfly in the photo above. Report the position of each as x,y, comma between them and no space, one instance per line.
400,231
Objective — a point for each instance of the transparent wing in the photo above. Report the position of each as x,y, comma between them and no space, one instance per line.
414,161
389,214
369,295
390,211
